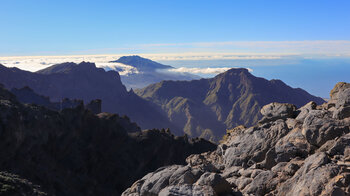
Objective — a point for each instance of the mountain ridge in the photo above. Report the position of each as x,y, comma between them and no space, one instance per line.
233,98
86,82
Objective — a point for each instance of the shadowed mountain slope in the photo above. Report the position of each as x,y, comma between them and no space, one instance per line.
86,82
207,107
27,96
75,152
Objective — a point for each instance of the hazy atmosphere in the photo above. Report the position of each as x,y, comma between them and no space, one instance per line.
175,97
297,41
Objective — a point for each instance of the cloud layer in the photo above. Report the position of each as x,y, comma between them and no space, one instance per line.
208,70
35,63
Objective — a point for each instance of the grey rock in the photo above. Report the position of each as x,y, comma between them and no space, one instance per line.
336,92
339,146
154,183
218,183
311,178
292,123
243,182
319,127
232,171
187,190
261,184
342,112
304,111
340,95
303,152
177,180
294,144
251,147
184,175
274,111
287,168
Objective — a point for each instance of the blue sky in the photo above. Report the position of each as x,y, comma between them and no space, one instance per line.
306,43
42,27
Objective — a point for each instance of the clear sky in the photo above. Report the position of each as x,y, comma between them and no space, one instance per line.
65,27
306,43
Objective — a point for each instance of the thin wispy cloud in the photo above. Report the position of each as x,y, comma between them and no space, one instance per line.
318,47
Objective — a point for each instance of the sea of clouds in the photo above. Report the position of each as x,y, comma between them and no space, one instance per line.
35,63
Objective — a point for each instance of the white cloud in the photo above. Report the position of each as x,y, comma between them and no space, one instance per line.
35,63
248,50
120,67
208,70
315,47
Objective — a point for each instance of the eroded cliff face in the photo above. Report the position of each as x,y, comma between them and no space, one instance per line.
76,152
291,151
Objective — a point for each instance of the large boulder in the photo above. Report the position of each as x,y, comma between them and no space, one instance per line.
251,147
320,127
304,111
179,180
214,180
275,111
340,98
317,176
338,95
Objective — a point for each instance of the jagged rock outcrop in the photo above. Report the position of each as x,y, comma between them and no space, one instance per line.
11,184
207,107
26,95
95,106
292,151
75,152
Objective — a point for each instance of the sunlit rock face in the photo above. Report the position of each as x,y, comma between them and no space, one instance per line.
292,151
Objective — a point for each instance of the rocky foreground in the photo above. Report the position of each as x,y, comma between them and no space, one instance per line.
291,151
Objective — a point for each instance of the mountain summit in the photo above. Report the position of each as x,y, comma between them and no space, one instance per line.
149,72
208,107
142,64
68,67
